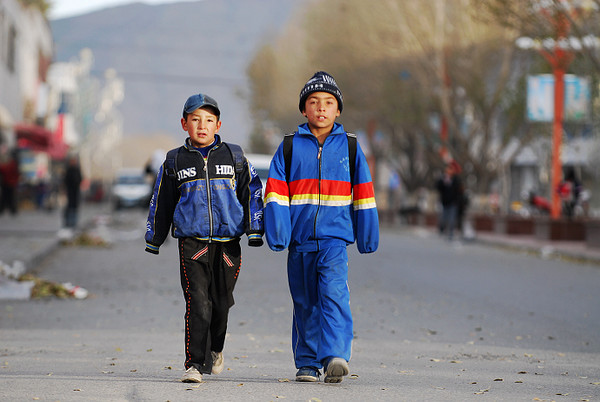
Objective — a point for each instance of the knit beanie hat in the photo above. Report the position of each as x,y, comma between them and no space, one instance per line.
321,82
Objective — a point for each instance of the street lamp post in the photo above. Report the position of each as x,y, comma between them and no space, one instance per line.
559,54
559,58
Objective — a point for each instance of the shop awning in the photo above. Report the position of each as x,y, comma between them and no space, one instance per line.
39,139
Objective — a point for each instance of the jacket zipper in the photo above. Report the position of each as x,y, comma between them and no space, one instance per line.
319,203
210,215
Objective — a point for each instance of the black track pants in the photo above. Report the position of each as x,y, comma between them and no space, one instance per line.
208,275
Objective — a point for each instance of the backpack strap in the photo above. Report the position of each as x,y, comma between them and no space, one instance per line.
352,154
171,163
238,157
287,154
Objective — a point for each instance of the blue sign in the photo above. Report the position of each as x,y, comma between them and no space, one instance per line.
540,98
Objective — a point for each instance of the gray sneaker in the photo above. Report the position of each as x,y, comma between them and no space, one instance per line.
218,362
337,368
191,375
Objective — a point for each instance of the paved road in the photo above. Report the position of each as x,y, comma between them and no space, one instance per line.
434,321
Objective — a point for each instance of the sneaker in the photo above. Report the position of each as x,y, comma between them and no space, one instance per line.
218,362
307,374
192,375
337,368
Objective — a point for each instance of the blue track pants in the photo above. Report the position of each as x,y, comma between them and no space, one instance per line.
322,325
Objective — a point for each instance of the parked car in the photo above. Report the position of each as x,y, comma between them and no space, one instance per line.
131,188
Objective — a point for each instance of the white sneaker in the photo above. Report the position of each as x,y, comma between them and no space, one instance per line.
218,362
337,368
192,375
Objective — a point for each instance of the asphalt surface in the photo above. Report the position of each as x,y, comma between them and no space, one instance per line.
414,341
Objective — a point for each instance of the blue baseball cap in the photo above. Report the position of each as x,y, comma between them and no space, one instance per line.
200,100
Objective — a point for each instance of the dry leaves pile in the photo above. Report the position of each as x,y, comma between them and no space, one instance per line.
45,288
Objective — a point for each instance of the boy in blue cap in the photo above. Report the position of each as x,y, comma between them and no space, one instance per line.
208,195
319,198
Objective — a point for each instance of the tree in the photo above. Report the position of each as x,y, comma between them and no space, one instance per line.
42,5
537,19
407,66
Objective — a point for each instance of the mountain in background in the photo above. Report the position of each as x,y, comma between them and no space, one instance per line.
164,53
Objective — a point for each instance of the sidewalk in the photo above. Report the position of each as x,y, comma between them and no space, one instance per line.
574,250
31,235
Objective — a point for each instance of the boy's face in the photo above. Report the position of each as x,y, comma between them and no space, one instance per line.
321,109
201,126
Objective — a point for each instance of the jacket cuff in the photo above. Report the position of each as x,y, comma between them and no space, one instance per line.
255,240
151,248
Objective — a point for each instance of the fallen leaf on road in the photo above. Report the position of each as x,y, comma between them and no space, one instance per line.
455,361
498,379
283,380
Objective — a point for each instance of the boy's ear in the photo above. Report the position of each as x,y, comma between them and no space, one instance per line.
184,124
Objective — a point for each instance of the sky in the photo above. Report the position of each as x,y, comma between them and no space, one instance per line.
70,8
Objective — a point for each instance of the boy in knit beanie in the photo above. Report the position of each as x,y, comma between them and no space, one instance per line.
319,199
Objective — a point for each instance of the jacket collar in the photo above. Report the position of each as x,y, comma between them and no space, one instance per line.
337,129
188,144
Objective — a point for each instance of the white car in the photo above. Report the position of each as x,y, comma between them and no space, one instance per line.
131,188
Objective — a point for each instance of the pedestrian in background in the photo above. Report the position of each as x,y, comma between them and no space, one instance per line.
569,191
315,211
72,182
211,195
9,180
450,196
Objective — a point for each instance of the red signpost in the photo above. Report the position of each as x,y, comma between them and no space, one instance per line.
559,58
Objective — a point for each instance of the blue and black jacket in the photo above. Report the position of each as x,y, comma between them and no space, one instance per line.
205,198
